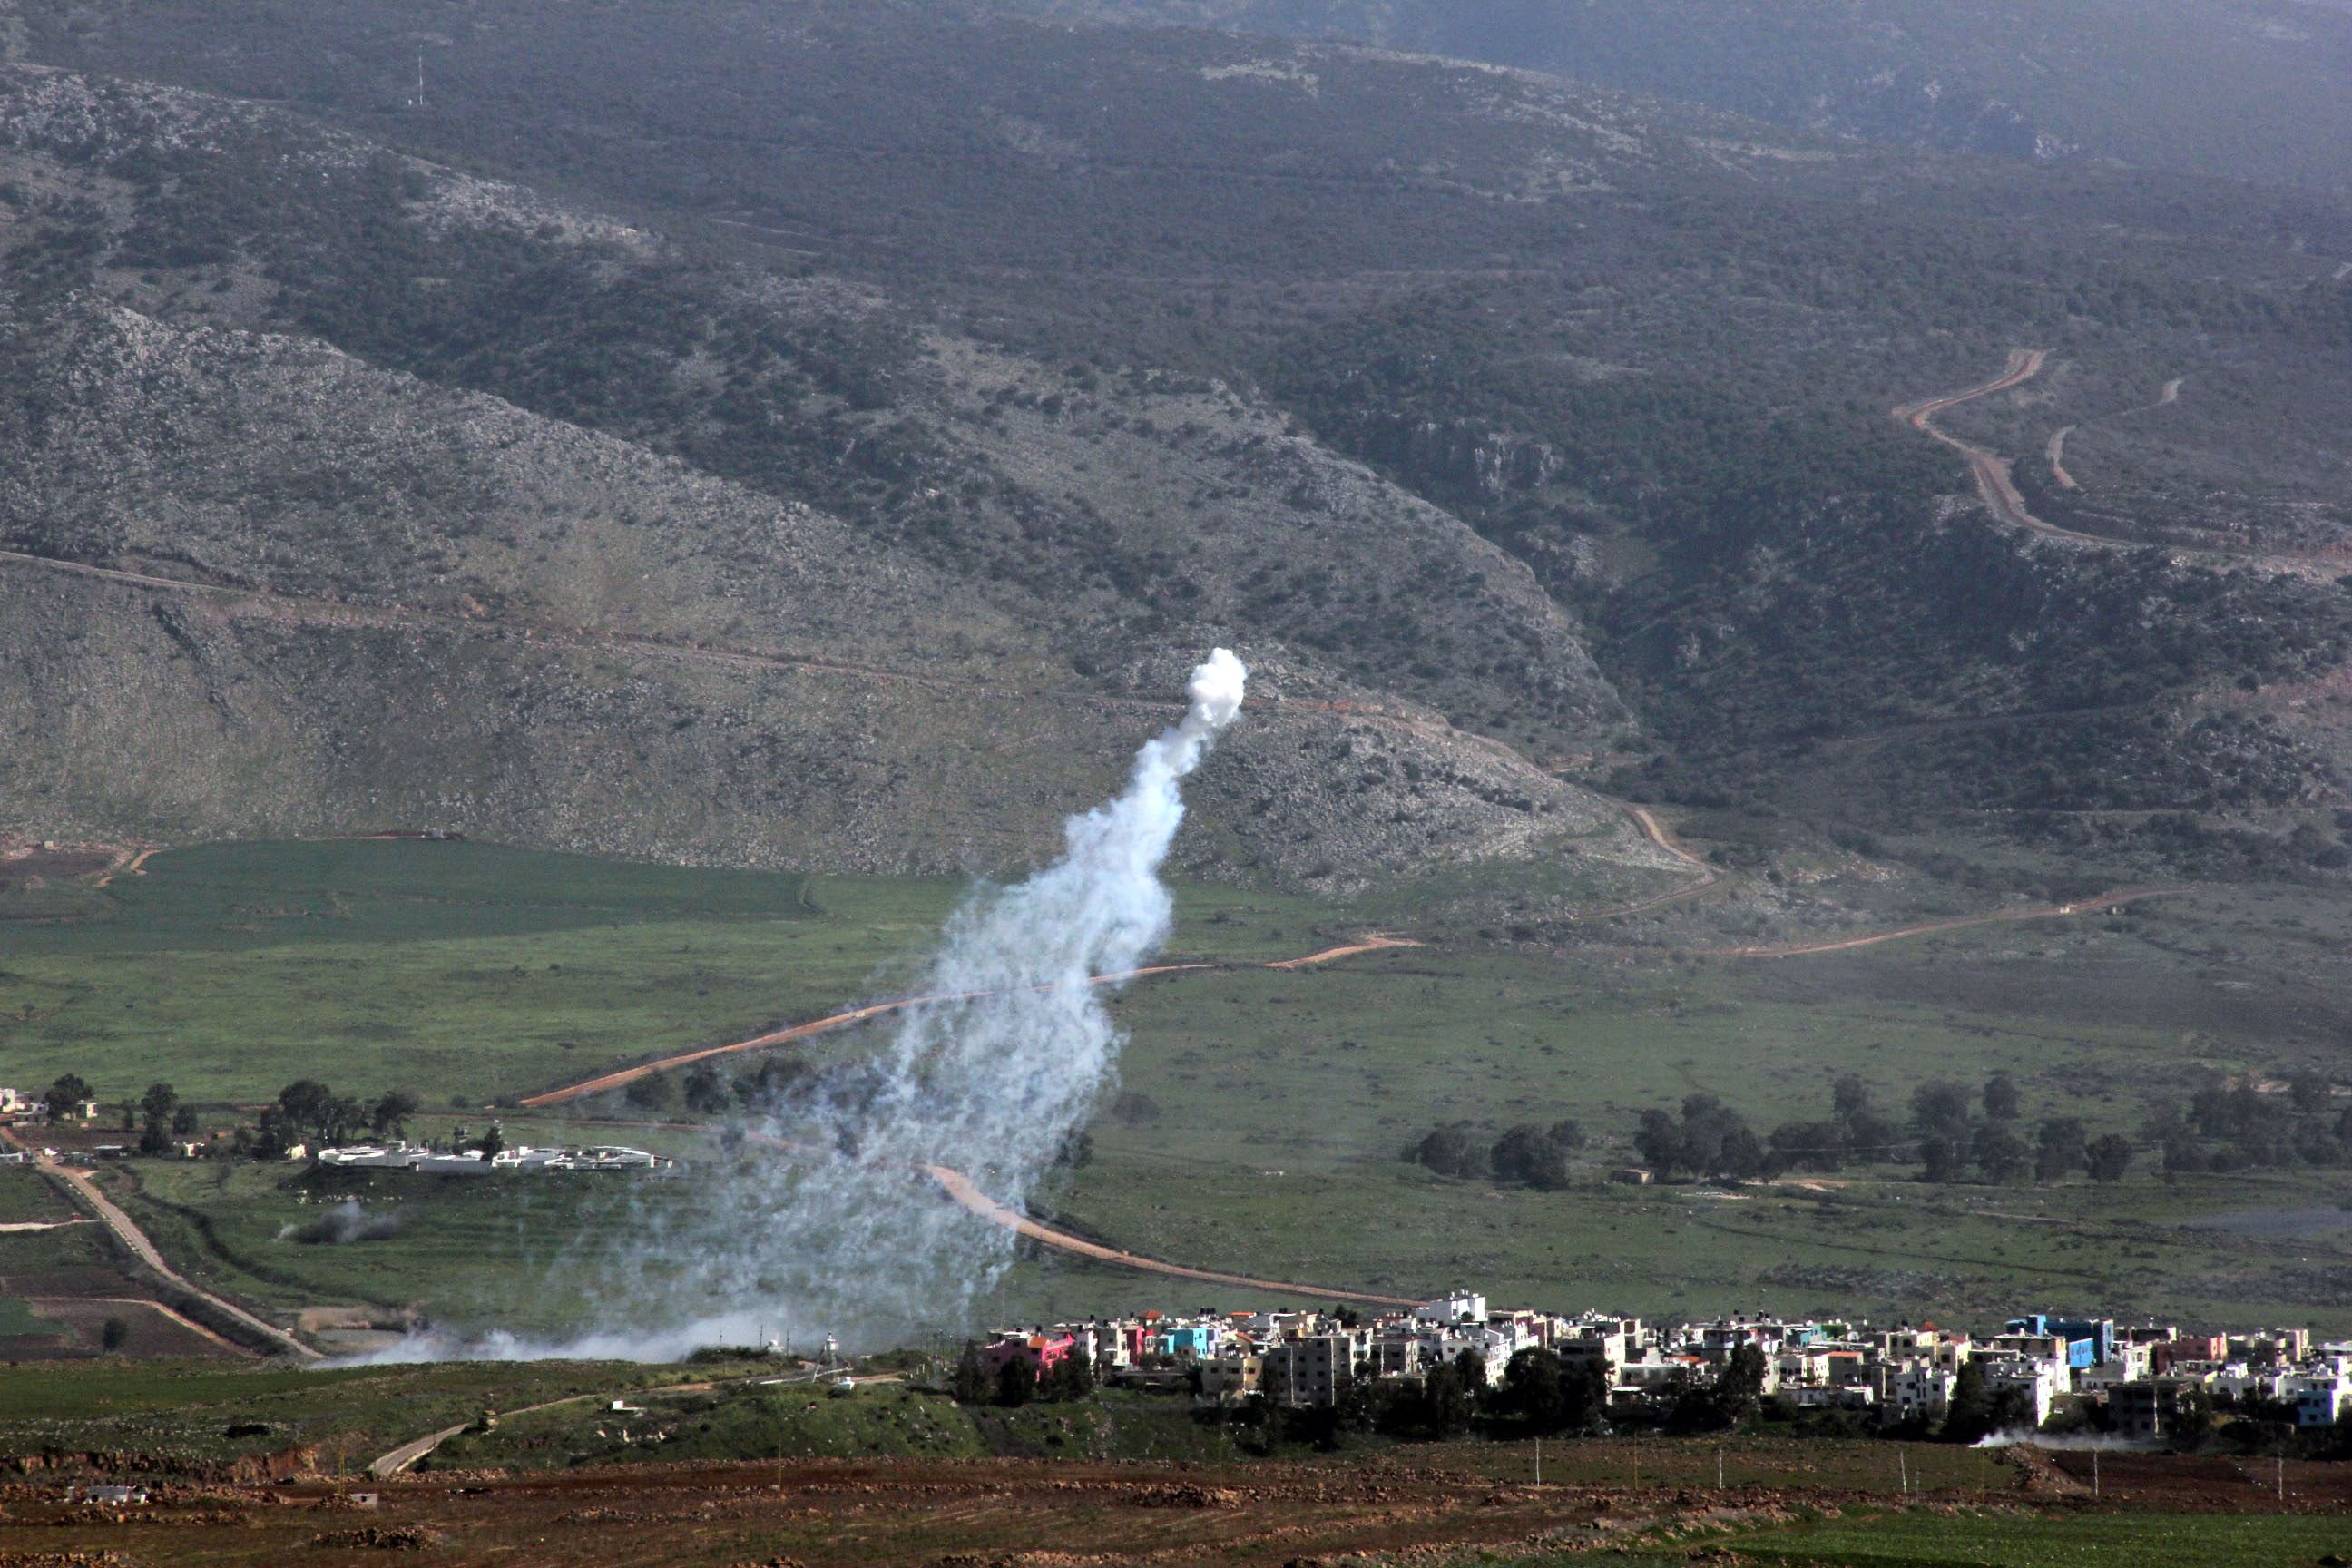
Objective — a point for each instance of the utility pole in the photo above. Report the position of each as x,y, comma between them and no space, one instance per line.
1539,1459
1902,1469
1718,1470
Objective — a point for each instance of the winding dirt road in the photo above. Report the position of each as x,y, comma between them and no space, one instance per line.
1995,485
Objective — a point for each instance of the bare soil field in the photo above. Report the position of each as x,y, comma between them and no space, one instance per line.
1427,1506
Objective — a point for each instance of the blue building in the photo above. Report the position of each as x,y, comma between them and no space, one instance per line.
2089,1342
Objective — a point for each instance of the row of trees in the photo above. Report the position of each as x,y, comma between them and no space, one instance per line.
1525,1155
308,1111
1016,1381
1946,1132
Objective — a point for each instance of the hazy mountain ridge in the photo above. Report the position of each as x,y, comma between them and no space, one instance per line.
2242,87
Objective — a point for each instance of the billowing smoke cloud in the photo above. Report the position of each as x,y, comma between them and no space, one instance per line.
828,1221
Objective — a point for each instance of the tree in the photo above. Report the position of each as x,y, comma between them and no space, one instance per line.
1450,1151
65,1094
1739,1385
158,1104
1742,1155
1568,1134
2001,1098
1532,1390
1529,1155
1806,1146
2109,1157
389,1119
1016,1382
2011,1409
345,1117
971,1382
494,1141
2001,1155
273,1134
655,1091
183,1121
156,1109
114,1333
2306,1092
1939,1115
1470,1367
1940,1107
1659,1141
705,1095
1849,1098
1445,1408
310,1106
1073,1377
2059,1150
1968,1418
1942,1159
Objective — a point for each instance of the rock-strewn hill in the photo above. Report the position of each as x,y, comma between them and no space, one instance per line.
261,585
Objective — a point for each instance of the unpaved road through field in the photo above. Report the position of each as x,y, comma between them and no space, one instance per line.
963,1191
84,1189
1961,922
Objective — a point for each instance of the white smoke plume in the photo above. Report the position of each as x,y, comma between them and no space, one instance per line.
827,1222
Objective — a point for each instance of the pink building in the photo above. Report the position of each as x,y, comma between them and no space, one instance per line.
2188,1347
1043,1352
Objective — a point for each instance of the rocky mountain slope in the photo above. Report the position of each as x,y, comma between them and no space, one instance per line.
328,595
1467,395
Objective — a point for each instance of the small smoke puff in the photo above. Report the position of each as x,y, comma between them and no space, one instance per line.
1216,688
343,1225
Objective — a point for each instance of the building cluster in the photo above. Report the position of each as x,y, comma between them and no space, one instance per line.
2147,1376
400,1155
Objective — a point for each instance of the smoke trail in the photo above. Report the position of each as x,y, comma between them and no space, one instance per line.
826,1223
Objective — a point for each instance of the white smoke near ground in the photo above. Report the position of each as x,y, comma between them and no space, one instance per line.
2070,1442
344,1224
828,1221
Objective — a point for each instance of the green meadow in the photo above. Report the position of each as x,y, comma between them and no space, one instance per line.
1266,1111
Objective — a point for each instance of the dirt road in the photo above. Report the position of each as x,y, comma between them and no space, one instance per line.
1994,484
2057,448
626,1075
85,1191
622,1077
1656,832
1962,923
960,1188
127,1231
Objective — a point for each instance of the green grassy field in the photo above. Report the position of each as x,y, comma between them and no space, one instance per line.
467,972
1282,1100
794,1420
198,1414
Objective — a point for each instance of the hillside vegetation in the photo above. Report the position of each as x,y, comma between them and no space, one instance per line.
651,369
2242,88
